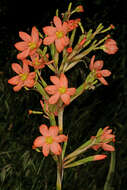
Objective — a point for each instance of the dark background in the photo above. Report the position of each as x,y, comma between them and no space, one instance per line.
21,168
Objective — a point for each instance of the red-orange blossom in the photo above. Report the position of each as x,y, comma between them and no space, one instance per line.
59,89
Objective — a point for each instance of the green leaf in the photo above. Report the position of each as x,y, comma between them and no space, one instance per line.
80,162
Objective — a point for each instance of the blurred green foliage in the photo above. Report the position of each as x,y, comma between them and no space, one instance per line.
21,168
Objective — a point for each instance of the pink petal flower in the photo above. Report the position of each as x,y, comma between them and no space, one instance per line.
49,140
110,46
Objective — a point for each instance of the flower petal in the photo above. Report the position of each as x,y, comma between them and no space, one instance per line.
55,80
108,147
18,86
71,91
21,46
39,141
45,149
17,68
23,54
29,83
103,81
59,45
65,40
98,64
25,68
63,81
106,72
44,130
53,131
49,30
24,36
49,40
35,34
60,138
14,80
32,75
51,89
91,66
57,22
65,98
53,99
56,148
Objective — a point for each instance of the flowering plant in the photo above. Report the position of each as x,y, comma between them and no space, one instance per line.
58,49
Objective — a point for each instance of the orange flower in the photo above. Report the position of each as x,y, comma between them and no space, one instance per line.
104,139
49,141
59,89
110,46
29,45
72,24
24,77
96,67
56,34
37,62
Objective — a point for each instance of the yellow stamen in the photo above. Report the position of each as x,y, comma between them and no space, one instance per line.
23,76
59,34
32,45
49,140
62,90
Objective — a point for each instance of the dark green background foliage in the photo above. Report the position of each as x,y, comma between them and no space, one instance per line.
21,168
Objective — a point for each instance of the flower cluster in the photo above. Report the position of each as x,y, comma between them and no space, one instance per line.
59,49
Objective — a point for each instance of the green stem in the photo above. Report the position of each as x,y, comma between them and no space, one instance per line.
60,120
60,161
59,181
109,179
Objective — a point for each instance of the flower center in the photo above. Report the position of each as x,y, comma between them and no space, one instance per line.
62,90
59,34
23,76
49,140
99,75
32,45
